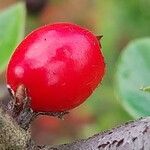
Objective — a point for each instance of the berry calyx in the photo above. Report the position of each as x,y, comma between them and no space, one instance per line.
60,65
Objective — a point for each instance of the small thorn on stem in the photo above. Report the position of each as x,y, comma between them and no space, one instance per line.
99,37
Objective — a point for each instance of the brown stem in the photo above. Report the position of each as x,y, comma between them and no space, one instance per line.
20,108
12,137
133,135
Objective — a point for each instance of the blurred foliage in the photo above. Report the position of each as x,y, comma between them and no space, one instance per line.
133,72
119,22
12,24
146,89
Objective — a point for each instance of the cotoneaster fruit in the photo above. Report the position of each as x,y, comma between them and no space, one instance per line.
60,65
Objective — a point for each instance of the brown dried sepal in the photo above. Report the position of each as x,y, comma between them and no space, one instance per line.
20,108
99,37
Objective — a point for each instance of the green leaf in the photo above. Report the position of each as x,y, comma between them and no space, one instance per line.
12,25
146,89
133,72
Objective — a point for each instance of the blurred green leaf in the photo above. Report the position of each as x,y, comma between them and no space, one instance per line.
12,24
133,72
146,89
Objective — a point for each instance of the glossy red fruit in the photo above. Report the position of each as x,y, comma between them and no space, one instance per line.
59,64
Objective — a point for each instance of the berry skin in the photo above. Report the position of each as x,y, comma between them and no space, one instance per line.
60,65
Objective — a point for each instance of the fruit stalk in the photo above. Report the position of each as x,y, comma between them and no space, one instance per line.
131,135
20,110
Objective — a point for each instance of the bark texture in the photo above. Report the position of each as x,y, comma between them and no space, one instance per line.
131,136
11,135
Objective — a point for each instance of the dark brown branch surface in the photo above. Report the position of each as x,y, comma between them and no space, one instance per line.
131,136
11,136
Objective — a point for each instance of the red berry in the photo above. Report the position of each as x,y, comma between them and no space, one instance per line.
59,64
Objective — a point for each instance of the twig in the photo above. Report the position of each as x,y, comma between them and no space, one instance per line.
131,136
11,135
